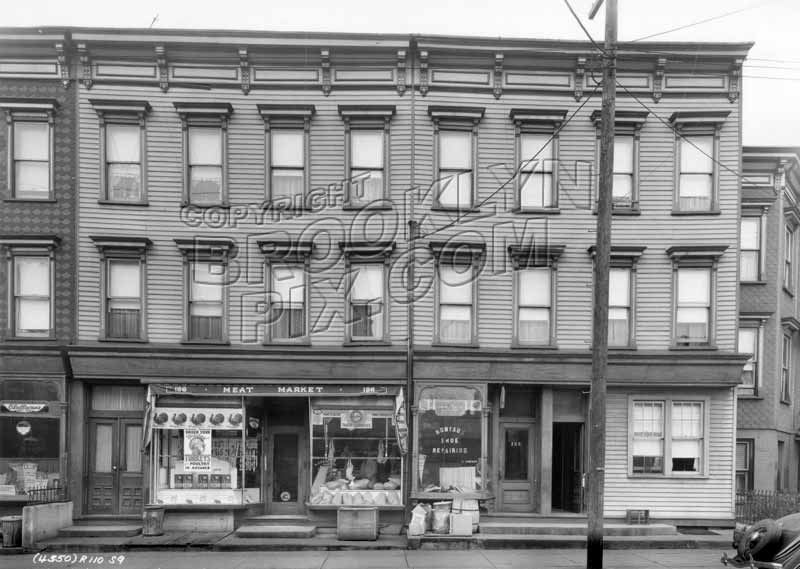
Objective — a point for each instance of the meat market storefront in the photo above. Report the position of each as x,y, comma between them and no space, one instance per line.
242,450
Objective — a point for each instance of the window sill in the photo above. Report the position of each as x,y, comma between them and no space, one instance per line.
367,206
206,206
534,347
123,340
687,476
29,339
305,342
678,212
115,202
750,397
360,343
785,402
704,348
455,209
205,343
753,282
536,210
470,345
30,200
628,348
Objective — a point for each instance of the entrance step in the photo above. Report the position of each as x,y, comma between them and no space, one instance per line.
101,530
276,531
564,529
275,519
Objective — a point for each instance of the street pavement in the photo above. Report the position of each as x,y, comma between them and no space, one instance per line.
390,559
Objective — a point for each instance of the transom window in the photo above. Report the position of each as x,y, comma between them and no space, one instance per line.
32,296
750,249
206,303
667,437
367,301
455,303
205,165
538,162
535,305
288,302
693,312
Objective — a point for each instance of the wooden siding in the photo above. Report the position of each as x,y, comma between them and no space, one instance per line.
707,497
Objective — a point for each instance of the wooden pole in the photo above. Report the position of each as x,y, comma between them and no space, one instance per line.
595,476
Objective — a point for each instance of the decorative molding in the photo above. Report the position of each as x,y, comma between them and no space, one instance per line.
551,117
497,91
30,241
325,65
213,108
29,105
790,324
367,250
116,243
658,78
163,72
457,250
286,111
401,71
111,106
367,111
535,255
205,247
438,112
285,249
244,65
580,73
630,253
86,65
423,73
63,63
698,118
734,78
680,252
634,119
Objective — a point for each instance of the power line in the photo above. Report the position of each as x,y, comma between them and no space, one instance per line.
519,167
580,23
705,21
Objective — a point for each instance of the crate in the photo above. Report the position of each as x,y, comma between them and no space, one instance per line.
357,524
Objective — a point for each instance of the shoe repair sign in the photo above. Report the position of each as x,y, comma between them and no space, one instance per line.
197,450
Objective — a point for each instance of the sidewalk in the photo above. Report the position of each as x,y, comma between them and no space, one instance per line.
476,559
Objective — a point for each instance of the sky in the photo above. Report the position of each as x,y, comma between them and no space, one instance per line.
771,84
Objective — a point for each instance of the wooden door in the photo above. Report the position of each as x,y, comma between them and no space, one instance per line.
287,462
115,466
517,467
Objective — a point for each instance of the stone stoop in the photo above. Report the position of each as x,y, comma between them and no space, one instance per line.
101,530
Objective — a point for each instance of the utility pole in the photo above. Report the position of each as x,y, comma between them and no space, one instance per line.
595,475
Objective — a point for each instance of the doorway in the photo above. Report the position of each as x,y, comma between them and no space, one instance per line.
516,472
568,467
115,466
286,456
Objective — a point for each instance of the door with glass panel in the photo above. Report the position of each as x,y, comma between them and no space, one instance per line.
516,468
115,466
286,467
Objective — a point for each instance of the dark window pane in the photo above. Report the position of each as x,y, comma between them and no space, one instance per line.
516,454
124,182
205,328
289,323
26,390
29,437
123,323
284,472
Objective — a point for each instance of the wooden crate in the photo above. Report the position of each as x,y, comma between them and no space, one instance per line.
357,524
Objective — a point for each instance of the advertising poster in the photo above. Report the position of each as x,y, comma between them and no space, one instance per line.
197,450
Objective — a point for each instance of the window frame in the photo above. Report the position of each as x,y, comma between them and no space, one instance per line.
287,118
457,254
786,368
625,257
697,123
367,254
755,323
536,121
22,247
129,113
370,118
289,253
668,402
750,446
761,217
536,257
789,252
455,119
34,111
696,257
204,115
217,251
112,249
627,124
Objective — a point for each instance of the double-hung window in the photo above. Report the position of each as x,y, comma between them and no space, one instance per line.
456,303
694,293
619,306
536,144
788,256
206,269
786,368
534,313
744,464
287,141
667,437
750,249
697,142
31,148
750,343
627,135
455,155
31,283
205,143
367,301
287,302
122,150
367,144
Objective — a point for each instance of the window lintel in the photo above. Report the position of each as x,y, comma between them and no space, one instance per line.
548,117
753,319
106,107
367,250
457,251
698,118
13,242
367,111
277,249
631,119
630,253
696,252
205,248
112,244
535,255
12,106
438,112
200,109
268,112
790,324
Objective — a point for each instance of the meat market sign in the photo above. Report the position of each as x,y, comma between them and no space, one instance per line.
275,390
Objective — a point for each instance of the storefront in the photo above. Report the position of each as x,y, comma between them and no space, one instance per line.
280,449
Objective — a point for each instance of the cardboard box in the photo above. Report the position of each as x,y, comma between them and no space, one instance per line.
461,524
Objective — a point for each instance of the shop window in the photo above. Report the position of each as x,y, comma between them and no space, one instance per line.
455,156
450,427
31,148
31,427
667,437
205,144
355,456
367,144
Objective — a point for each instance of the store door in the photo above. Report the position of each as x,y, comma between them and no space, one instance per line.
516,474
286,467
115,466
568,467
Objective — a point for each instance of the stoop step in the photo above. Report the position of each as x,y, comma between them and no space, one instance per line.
271,520
579,529
276,530
111,530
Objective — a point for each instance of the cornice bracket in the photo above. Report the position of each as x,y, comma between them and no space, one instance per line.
658,78
86,65
325,64
497,91
423,73
163,71
580,73
734,77
63,63
401,71
244,65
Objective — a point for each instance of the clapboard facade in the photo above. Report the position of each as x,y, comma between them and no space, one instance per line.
766,450
253,207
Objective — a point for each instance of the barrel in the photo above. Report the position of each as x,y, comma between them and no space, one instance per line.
153,520
357,524
12,531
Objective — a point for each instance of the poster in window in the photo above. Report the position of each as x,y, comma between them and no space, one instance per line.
197,450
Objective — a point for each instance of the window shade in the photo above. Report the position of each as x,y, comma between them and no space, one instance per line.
124,279
750,233
367,283
534,287
366,149
205,146
696,153
455,150
286,149
619,287
32,276
693,287
31,141
288,284
207,282
122,143
539,146
623,154
456,284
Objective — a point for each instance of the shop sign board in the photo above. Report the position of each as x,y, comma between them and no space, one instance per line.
275,390
197,450
15,407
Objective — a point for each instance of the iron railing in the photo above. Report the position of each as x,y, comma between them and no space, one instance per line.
55,493
754,505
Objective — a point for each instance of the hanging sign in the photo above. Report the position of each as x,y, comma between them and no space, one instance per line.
24,407
401,426
197,417
197,450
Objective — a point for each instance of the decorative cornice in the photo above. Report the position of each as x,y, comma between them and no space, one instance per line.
244,66
734,78
206,246
633,252
29,105
698,118
401,71
552,117
163,71
535,255
681,252
456,249
791,323
497,89
367,249
49,241
633,119
86,65
286,111
438,112
580,73
658,78
762,317
325,65
423,72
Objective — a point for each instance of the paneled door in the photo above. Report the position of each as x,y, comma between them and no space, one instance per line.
287,460
115,466
516,473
